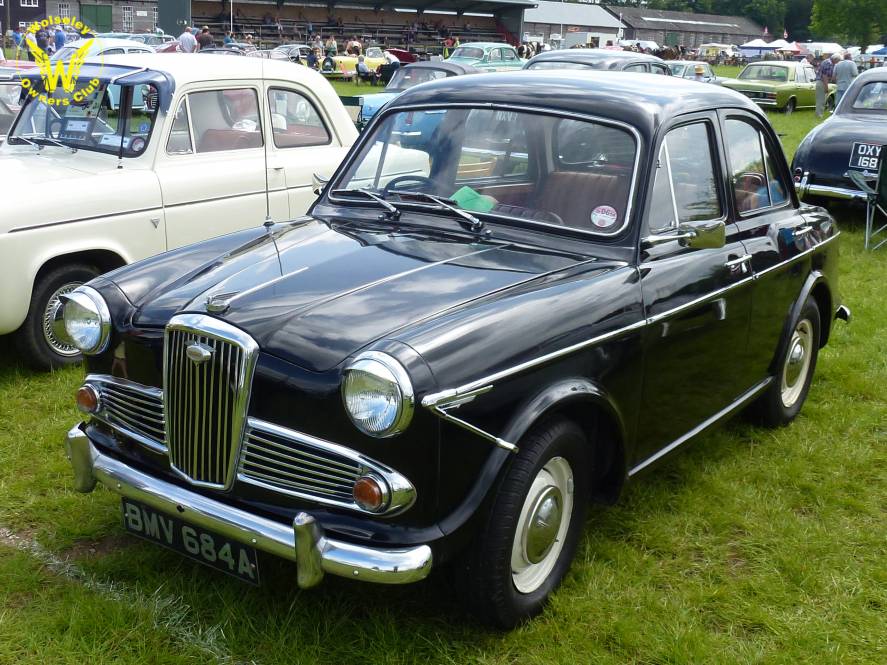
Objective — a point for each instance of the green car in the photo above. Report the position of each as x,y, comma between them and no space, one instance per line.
784,86
487,56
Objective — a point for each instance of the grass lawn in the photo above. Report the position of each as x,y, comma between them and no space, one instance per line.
752,545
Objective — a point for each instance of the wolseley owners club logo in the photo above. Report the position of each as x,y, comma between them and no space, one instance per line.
59,72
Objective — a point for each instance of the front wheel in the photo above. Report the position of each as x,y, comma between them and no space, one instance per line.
42,339
786,395
531,533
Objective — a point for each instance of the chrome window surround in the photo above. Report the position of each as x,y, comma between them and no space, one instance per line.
441,402
123,412
401,493
207,326
379,117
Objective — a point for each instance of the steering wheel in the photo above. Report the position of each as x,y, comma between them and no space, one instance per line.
420,179
54,129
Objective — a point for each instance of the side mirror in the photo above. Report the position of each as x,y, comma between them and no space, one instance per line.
318,184
695,235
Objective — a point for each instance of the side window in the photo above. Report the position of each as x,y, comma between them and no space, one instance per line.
508,54
112,51
294,120
756,183
659,69
179,142
685,159
708,73
496,54
639,67
225,120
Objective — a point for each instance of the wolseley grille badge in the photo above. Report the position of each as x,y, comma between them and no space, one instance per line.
198,353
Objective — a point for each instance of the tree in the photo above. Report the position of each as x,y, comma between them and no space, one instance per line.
850,21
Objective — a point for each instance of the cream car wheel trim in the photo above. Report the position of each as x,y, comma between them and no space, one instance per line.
797,363
542,526
54,325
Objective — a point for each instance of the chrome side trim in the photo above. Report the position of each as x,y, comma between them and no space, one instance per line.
743,399
318,451
303,541
451,397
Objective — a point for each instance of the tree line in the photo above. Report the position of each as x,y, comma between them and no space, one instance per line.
846,21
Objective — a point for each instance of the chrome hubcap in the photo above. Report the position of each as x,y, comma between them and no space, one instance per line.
797,363
54,325
542,525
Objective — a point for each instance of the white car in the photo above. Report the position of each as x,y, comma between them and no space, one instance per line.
101,47
200,147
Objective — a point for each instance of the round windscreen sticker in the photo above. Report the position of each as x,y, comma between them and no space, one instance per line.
604,217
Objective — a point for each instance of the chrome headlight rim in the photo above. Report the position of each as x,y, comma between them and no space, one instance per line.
88,298
368,361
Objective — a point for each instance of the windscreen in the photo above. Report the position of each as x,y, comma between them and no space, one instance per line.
100,117
765,73
507,164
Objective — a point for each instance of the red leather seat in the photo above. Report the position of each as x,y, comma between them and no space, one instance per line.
573,195
214,140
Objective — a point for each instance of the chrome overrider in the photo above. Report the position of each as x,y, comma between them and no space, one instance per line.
303,542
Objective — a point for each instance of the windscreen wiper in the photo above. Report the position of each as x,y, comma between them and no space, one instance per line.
392,211
474,224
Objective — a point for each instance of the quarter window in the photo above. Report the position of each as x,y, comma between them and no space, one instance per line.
294,120
756,182
225,120
179,142
685,188
659,69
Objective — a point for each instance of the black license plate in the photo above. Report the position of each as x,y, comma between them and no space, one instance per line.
195,542
865,156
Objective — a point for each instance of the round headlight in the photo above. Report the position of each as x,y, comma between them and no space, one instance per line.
87,320
378,395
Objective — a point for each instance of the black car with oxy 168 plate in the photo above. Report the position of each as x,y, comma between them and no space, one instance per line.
850,141
463,344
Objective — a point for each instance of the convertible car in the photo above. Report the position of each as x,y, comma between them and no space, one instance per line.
784,86
850,140
448,363
407,77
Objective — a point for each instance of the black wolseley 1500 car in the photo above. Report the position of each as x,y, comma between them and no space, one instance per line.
463,344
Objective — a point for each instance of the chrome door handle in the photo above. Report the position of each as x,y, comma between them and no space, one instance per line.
738,262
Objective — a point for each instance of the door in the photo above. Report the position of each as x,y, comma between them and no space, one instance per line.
697,301
772,230
212,170
97,17
301,145
510,59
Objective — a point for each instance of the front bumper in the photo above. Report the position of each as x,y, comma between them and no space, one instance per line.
805,187
302,542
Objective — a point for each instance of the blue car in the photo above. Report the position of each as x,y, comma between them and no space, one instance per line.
407,77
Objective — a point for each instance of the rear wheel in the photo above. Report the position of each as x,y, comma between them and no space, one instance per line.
42,340
786,395
790,106
830,104
528,542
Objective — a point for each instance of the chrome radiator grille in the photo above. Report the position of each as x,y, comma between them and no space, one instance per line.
298,465
133,409
208,367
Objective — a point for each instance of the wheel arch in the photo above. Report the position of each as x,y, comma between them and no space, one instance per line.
817,287
587,404
103,259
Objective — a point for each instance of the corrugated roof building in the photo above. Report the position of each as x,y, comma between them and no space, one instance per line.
684,28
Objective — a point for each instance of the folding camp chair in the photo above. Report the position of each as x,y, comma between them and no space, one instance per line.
876,201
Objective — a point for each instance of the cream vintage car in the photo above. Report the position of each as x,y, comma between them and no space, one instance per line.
144,155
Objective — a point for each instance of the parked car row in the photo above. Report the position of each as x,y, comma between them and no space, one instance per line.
435,346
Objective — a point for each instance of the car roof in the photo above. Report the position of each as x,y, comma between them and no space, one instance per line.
780,63
875,74
642,100
453,67
185,68
108,42
485,45
686,62
597,56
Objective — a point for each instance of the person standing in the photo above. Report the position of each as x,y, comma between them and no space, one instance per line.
824,76
60,39
845,72
205,39
187,40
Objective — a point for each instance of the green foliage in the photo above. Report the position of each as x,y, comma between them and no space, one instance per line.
850,21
